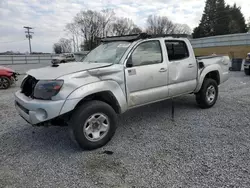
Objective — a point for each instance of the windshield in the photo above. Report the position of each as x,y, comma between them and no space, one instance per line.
110,52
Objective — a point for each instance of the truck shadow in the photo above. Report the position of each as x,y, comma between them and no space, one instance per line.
182,105
25,139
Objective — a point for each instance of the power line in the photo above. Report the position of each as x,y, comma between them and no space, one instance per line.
12,41
29,36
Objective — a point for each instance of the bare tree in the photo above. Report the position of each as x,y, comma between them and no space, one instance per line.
162,25
74,30
107,17
90,24
124,26
65,45
88,27
135,30
57,48
182,29
159,25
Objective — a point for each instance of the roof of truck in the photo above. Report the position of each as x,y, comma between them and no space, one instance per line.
134,37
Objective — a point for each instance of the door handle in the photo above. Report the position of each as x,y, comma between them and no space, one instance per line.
163,70
190,65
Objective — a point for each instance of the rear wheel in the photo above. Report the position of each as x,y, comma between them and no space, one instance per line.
93,124
5,82
207,96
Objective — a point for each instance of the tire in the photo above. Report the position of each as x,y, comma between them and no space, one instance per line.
5,82
203,99
247,71
89,116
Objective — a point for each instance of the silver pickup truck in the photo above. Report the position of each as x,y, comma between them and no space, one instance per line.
120,74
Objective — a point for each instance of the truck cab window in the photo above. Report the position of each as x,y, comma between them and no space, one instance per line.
147,53
177,50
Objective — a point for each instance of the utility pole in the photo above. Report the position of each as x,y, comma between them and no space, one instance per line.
28,35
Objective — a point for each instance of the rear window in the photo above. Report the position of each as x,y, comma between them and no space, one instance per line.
177,50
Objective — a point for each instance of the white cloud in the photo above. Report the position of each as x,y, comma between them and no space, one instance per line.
48,17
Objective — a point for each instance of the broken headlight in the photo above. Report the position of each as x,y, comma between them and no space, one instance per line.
45,89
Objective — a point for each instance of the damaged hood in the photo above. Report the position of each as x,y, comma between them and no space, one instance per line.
6,69
51,73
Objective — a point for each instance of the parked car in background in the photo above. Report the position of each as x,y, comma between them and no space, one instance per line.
79,56
120,74
247,65
7,77
63,58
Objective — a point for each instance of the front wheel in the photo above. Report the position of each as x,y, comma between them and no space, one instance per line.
207,96
5,82
93,124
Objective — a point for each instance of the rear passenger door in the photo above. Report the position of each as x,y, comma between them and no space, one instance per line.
182,72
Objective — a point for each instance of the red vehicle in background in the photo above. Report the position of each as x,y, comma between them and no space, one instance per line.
7,77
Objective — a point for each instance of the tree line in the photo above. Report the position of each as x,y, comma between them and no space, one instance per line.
219,18
88,27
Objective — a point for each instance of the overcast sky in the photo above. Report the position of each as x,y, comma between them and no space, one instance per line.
48,17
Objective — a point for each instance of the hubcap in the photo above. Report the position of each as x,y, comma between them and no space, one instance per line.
3,83
210,94
96,127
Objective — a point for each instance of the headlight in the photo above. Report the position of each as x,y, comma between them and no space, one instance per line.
46,89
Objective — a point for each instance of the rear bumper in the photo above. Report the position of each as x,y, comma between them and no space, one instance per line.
36,111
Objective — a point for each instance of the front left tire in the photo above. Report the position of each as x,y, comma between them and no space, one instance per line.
93,124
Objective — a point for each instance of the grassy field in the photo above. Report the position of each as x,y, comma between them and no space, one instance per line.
232,51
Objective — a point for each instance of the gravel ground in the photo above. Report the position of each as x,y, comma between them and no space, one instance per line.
200,148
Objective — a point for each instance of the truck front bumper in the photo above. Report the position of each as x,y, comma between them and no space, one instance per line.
36,111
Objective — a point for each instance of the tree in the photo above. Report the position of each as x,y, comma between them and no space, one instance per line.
207,23
107,17
248,25
135,30
73,29
237,23
65,45
162,25
57,48
124,26
182,29
220,19
159,25
94,25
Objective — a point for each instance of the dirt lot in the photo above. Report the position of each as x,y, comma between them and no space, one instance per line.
201,148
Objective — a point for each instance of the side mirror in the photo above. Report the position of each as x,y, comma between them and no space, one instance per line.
129,62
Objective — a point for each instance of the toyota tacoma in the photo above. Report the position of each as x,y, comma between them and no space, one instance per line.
122,73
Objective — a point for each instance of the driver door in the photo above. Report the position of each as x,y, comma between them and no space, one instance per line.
146,74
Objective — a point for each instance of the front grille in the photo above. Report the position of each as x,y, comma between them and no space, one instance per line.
28,86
